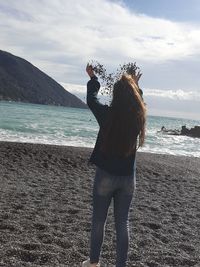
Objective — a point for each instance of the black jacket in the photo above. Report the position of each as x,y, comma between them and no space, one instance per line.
114,165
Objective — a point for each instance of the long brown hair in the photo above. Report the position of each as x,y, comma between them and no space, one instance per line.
126,120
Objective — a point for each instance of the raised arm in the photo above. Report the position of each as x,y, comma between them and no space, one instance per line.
93,86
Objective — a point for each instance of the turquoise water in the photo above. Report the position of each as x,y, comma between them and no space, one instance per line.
32,123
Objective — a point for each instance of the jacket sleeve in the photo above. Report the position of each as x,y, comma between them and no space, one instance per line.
95,106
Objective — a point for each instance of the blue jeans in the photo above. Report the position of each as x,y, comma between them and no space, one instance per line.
106,187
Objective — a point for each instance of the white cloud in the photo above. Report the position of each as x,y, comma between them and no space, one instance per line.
159,102
80,91
173,94
75,88
79,30
60,36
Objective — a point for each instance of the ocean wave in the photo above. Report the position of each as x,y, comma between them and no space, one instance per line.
76,127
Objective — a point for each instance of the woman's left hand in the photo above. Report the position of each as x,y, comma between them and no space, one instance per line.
136,77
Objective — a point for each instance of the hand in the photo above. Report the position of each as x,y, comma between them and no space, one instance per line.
89,70
136,77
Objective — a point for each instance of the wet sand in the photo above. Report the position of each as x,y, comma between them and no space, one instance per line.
46,205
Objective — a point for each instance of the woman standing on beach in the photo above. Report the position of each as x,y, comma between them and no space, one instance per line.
114,156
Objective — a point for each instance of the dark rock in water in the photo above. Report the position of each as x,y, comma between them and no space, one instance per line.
169,131
193,132
21,81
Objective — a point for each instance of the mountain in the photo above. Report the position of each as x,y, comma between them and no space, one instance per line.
21,81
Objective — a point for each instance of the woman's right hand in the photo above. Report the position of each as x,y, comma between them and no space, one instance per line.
90,71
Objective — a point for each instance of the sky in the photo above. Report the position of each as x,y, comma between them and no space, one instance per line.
161,36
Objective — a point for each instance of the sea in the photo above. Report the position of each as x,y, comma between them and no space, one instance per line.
65,126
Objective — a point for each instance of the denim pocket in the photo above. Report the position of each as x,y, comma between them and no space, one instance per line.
104,186
104,182
129,185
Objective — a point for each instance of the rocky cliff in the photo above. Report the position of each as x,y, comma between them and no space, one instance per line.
21,81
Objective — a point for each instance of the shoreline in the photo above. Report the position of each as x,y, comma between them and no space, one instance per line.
46,205
91,148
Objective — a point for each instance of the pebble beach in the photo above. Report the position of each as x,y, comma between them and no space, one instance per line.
46,209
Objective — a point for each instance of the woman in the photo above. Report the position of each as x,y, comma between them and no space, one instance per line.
114,156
